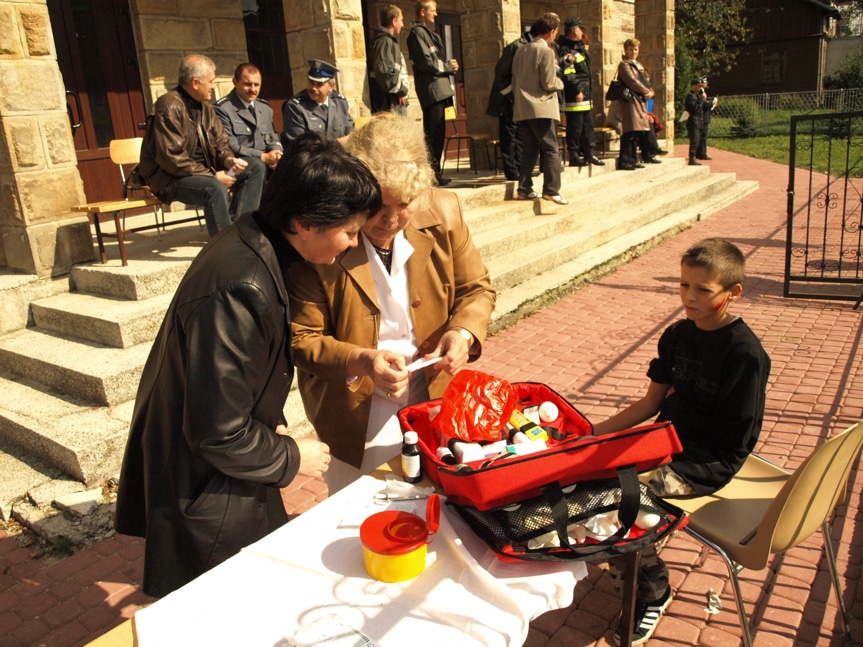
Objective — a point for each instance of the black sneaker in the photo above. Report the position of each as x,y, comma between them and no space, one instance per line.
647,616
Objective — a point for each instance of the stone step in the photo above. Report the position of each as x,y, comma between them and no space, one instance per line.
44,437
108,321
538,257
83,441
538,243
141,279
593,263
501,209
85,371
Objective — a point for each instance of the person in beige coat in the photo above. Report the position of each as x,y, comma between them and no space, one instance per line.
633,113
415,287
536,109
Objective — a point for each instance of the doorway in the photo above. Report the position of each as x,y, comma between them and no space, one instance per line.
99,64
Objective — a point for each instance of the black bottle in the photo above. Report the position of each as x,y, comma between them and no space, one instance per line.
411,468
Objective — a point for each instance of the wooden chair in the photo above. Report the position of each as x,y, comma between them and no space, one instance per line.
765,510
458,138
125,152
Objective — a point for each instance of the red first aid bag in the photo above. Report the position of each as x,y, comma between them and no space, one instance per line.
577,457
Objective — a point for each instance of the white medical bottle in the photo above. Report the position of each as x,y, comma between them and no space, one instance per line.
411,468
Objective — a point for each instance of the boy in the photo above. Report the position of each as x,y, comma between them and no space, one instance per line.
694,105
709,380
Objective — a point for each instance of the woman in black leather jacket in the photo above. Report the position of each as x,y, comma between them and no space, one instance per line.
208,448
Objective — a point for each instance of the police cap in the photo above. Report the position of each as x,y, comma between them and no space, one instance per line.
321,71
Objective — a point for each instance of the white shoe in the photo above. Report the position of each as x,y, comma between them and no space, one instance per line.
556,199
533,195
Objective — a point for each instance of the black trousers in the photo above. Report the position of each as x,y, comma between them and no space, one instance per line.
695,132
539,139
509,135
580,138
434,126
702,145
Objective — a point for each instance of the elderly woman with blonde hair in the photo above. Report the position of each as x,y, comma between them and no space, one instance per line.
415,287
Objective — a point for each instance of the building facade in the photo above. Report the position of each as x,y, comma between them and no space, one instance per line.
75,74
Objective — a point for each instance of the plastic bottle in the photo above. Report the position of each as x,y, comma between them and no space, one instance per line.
411,468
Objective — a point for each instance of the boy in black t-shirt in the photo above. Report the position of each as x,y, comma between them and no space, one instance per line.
709,380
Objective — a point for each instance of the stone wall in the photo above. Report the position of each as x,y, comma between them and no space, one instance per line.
168,30
39,180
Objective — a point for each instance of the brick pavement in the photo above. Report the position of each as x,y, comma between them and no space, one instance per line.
594,347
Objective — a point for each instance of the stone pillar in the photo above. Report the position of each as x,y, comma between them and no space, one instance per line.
655,29
168,30
486,28
39,180
330,30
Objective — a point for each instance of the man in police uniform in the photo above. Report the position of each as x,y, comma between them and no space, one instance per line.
318,108
248,119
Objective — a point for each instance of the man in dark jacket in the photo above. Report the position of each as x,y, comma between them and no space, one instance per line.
433,77
208,449
575,66
389,74
500,106
694,105
185,154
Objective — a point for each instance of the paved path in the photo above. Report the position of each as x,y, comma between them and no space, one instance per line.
594,347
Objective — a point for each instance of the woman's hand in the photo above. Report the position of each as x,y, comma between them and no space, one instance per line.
387,370
454,349
314,455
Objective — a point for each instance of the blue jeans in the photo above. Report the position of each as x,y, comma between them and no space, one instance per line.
220,209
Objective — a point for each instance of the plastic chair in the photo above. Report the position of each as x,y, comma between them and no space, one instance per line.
766,510
472,141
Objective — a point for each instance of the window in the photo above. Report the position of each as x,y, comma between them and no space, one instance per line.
772,72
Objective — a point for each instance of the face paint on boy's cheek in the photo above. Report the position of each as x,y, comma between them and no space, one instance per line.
719,307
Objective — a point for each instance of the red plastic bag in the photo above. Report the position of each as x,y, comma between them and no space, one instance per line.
475,406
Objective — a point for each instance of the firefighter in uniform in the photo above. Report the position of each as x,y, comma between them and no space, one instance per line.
318,108
575,66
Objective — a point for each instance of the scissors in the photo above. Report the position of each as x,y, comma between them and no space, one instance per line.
382,498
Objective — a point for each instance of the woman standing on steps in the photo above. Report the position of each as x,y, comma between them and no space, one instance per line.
634,116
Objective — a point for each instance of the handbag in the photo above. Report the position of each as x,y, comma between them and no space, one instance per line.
573,454
593,520
617,91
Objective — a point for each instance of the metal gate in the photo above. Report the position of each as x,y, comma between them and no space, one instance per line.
824,238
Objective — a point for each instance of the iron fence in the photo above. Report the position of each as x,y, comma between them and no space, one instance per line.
756,115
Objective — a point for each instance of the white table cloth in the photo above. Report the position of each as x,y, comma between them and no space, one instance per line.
313,567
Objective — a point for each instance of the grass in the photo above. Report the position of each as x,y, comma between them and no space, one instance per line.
822,151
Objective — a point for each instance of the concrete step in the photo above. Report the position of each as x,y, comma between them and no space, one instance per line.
141,279
84,441
538,243
585,232
108,321
594,262
85,371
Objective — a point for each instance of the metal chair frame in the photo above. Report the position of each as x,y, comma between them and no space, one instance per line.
766,510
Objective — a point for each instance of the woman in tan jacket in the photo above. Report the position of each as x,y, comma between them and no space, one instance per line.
634,117
415,287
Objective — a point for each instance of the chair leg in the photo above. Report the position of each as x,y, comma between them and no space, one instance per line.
732,571
156,216
834,574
